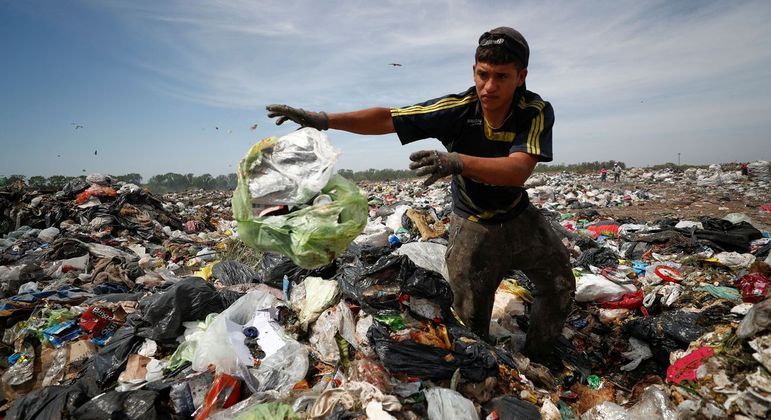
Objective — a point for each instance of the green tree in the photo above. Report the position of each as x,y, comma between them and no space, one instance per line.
37,181
132,178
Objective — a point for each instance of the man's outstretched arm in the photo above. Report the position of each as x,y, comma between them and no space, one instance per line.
365,121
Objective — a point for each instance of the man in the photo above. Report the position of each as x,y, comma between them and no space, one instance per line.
616,173
495,133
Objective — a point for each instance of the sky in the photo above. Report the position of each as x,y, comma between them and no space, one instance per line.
149,86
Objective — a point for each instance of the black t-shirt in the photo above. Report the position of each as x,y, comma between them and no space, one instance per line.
457,121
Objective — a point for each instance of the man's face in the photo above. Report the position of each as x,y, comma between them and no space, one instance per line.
496,83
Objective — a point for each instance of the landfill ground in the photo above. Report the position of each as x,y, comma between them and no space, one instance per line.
119,303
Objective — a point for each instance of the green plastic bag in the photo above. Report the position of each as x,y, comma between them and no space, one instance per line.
311,236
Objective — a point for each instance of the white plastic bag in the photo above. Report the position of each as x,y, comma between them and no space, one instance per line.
293,169
426,255
596,288
444,403
222,344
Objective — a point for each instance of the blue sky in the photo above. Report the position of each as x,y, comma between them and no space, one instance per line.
150,80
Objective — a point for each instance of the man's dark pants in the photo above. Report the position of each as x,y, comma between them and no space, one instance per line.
480,255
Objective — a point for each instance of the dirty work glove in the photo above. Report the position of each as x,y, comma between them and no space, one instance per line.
436,164
317,120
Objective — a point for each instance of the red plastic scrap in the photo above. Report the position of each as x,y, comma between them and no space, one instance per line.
766,207
95,191
754,287
96,319
604,230
668,274
628,301
224,392
684,369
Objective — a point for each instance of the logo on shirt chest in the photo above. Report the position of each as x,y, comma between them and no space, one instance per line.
474,122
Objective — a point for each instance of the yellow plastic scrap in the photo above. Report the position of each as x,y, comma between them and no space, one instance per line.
206,272
513,287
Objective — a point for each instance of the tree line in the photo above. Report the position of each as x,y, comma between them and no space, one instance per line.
174,182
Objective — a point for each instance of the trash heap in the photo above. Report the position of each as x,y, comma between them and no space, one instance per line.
116,302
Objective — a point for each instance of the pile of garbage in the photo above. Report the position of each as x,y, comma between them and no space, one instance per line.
119,302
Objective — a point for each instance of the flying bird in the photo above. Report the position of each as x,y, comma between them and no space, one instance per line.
77,126
95,152
395,64
253,127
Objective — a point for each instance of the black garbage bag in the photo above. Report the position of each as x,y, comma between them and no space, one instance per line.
727,236
475,358
273,268
190,299
377,288
598,257
74,187
49,403
667,331
103,369
56,215
509,407
234,272
130,405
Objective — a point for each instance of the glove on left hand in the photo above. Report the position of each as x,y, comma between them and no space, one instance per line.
436,164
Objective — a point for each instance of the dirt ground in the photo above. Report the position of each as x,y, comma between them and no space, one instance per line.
690,202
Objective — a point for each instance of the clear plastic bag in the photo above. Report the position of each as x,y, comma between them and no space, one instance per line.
222,344
292,170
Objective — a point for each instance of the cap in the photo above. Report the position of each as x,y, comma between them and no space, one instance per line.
508,38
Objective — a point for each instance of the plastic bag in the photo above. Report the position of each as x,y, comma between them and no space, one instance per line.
273,268
320,294
475,359
311,236
754,287
509,407
757,319
189,300
596,288
222,344
378,288
139,404
445,403
230,273
426,255
48,403
269,411
292,170
224,392
282,370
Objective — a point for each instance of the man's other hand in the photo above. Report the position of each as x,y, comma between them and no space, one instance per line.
317,120
436,164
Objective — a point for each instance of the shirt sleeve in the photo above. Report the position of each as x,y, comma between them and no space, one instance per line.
535,137
437,118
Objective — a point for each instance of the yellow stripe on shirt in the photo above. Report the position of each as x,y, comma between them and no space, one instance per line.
438,106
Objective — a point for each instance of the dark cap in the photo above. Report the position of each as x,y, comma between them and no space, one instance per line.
508,38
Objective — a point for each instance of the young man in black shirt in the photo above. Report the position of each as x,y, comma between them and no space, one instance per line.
495,133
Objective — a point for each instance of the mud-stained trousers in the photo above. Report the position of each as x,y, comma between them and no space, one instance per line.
480,255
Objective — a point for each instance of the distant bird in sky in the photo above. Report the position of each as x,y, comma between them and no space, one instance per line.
395,64
58,155
216,128
253,127
95,152
77,126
